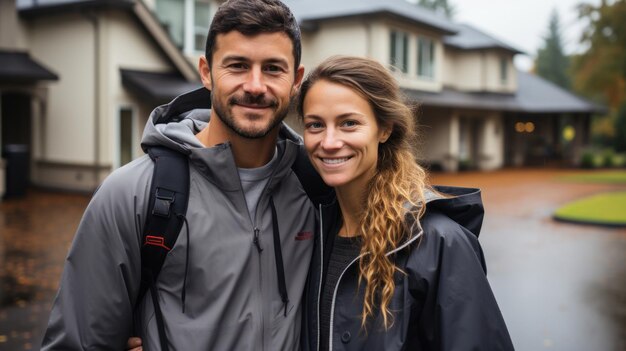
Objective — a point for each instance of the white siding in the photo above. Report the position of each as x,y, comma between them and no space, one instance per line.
335,38
478,70
66,45
359,37
127,46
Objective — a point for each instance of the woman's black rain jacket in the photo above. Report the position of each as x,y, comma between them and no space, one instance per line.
443,302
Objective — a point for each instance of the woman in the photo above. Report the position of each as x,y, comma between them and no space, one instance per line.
398,265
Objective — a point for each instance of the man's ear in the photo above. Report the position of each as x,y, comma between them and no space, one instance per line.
298,81
205,72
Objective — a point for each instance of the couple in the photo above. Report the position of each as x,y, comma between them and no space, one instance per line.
392,263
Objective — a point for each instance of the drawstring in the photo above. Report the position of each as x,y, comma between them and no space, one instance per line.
184,292
280,270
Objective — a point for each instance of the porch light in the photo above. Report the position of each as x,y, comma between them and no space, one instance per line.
522,127
569,133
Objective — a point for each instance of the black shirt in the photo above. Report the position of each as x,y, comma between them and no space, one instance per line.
343,251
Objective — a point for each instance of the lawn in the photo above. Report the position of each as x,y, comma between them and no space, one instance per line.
612,177
606,209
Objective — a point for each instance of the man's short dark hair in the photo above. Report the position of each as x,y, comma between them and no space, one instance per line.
251,17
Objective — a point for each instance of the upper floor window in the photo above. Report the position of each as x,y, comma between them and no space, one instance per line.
399,51
187,22
425,57
504,70
202,21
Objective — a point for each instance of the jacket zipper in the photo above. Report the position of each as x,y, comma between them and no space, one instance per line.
319,286
332,305
255,240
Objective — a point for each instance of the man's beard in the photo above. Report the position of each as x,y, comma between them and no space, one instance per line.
225,114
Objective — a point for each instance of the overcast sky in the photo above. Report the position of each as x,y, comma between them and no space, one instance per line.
522,23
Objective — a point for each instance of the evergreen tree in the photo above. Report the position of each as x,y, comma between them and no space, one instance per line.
552,63
439,6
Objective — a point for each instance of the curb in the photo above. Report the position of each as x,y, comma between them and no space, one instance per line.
589,222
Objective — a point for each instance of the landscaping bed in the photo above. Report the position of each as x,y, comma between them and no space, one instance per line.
603,209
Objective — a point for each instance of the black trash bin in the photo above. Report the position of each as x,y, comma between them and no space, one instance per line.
17,163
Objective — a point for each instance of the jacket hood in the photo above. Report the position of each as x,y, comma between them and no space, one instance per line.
169,125
462,205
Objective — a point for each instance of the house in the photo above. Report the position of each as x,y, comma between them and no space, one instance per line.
476,110
83,89
78,79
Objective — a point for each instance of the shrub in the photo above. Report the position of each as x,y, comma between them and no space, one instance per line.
607,158
619,160
586,160
591,159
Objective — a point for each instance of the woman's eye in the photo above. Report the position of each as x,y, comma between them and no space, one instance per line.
349,123
313,125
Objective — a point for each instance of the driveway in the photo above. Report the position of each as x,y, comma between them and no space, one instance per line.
560,286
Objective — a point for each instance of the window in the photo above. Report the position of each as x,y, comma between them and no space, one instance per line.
125,136
187,22
202,21
425,57
504,70
171,13
399,51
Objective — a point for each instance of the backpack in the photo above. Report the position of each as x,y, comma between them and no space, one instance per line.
169,196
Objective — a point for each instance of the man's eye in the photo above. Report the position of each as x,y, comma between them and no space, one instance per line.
237,65
273,69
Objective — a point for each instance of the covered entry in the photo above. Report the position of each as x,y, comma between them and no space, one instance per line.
21,99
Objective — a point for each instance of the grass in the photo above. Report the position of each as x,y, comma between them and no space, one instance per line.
605,209
610,177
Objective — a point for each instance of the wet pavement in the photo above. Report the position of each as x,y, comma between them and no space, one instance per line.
560,286
35,234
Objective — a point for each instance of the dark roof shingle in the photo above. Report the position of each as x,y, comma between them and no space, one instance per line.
315,10
20,67
534,95
156,87
471,38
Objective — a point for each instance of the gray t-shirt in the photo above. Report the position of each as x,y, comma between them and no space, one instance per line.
253,181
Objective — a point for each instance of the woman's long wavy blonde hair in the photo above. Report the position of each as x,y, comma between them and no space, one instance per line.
396,190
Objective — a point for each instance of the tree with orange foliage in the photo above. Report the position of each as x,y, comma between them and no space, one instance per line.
600,72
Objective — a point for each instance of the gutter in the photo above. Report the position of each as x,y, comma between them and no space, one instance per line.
94,21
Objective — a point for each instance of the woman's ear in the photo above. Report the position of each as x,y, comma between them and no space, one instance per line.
384,133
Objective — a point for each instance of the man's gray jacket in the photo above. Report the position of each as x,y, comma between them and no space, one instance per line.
232,295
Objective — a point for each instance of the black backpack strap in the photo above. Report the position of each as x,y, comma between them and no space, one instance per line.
167,206
311,181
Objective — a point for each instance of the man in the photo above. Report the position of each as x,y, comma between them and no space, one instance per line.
221,286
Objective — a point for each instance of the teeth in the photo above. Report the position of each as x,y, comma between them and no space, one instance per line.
335,160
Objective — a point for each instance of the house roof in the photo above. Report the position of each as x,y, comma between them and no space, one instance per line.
156,87
307,11
471,38
20,67
534,95
146,18
37,7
